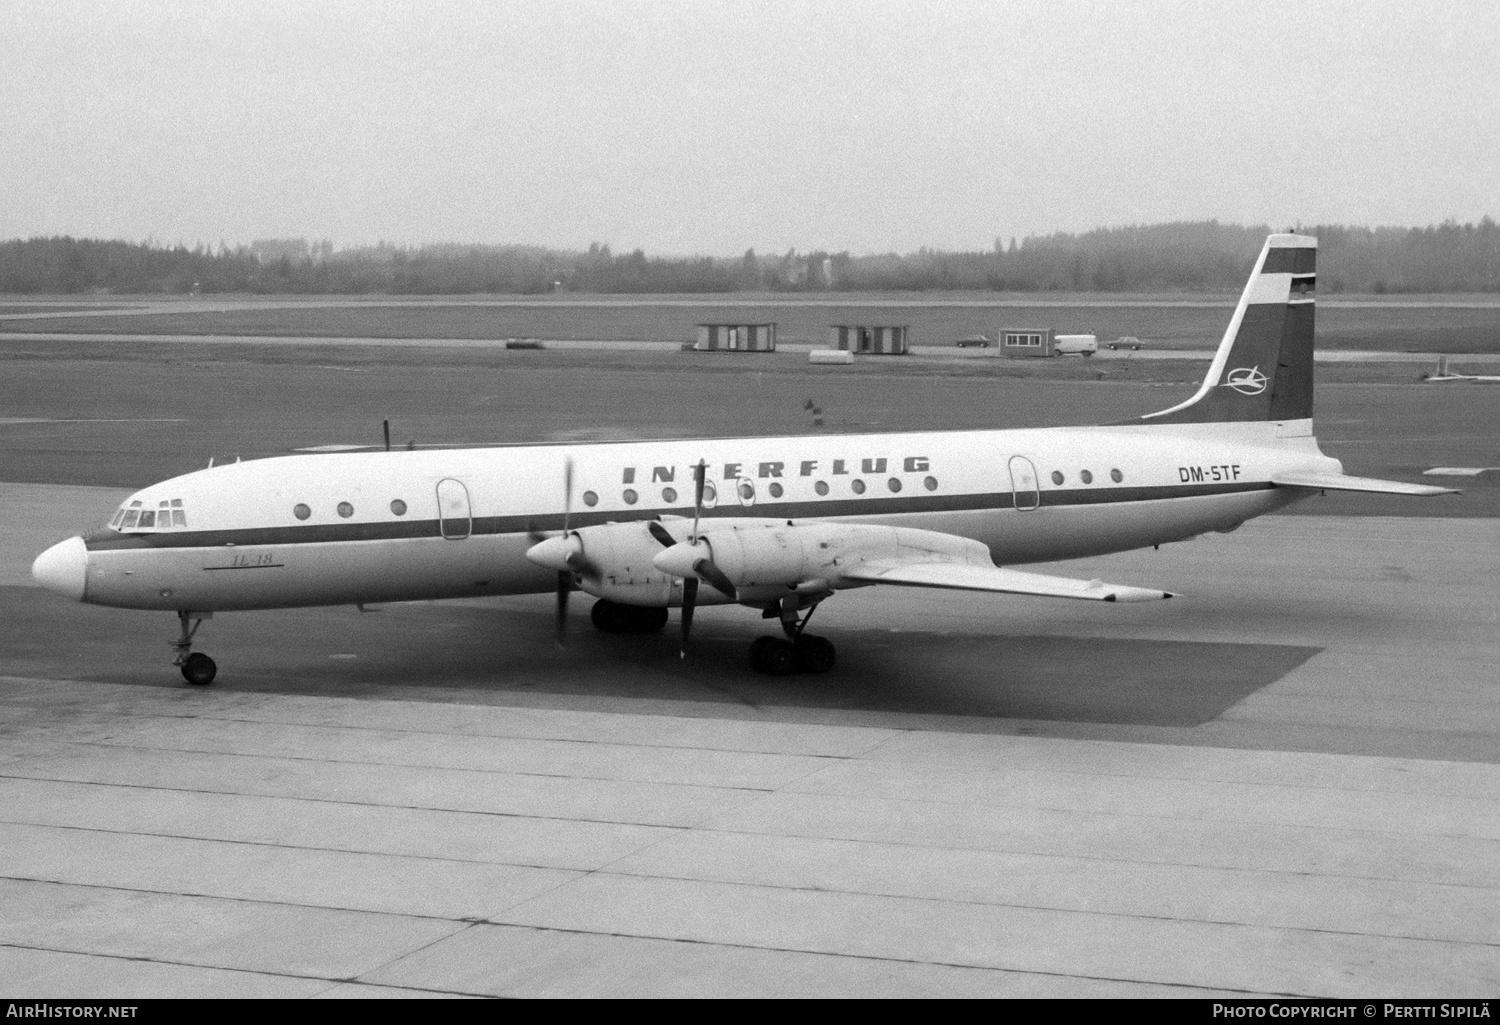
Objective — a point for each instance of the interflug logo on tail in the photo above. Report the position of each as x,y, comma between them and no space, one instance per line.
1245,380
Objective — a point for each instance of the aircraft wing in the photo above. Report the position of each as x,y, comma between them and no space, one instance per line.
970,577
1339,482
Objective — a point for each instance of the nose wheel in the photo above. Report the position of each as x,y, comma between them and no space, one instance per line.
197,668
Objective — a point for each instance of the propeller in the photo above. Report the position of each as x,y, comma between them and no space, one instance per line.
683,559
564,577
562,552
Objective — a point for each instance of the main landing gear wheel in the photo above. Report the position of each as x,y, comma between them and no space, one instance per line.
814,654
198,669
614,617
774,656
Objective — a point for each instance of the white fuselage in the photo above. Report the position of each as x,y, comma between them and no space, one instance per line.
392,526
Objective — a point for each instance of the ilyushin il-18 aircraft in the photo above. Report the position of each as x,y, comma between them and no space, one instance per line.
778,524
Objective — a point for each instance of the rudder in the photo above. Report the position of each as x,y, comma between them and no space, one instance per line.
1263,369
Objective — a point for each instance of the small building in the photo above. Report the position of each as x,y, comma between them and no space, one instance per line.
736,338
1031,341
885,340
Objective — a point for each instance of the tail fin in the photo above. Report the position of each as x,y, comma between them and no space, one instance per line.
1263,369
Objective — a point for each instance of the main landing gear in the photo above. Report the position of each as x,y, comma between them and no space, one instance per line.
197,668
799,653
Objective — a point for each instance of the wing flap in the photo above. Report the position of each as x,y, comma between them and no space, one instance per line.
1340,482
969,577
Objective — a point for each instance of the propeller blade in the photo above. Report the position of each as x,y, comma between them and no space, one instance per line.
699,474
715,577
661,533
689,600
564,585
567,492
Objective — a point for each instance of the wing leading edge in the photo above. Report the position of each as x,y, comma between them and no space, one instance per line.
969,577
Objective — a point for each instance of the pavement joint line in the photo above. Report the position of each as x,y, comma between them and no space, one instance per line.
409,765
469,926
356,728
1368,831
303,847
140,958
882,959
1022,852
334,801
108,743
675,832
1127,915
237,900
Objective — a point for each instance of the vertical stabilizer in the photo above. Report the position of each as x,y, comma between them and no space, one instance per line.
1263,369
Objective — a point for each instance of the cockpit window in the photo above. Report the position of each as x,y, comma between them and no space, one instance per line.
168,514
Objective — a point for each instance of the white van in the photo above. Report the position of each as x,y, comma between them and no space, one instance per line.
1074,345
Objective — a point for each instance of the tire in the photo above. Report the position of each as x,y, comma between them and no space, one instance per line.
815,654
608,617
199,670
647,619
773,656
614,617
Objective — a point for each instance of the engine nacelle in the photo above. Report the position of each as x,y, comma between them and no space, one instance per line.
613,560
765,559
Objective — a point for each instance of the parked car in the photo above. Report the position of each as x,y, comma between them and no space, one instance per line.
973,342
1127,342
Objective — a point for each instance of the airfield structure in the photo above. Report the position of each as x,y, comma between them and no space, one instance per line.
1029,341
736,338
885,340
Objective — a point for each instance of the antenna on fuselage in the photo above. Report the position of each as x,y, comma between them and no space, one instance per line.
385,425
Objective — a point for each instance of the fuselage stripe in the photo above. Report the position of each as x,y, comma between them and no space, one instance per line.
323,533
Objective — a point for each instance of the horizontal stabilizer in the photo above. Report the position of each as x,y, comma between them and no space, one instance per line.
969,577
1339,482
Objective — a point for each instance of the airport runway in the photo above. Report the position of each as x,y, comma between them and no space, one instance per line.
1288,782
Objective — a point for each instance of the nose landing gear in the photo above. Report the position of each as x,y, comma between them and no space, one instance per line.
197,668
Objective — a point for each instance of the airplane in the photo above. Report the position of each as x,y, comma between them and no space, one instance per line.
777,524
1444,375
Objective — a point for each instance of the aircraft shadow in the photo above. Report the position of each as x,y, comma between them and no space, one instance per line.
477,654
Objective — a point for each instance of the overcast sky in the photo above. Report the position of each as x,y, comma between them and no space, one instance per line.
701,127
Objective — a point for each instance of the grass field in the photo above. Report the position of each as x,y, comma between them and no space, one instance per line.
1163,321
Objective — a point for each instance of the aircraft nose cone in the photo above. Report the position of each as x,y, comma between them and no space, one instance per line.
554,552
678,560
62,568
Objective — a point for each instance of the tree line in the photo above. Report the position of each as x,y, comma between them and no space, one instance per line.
1184,256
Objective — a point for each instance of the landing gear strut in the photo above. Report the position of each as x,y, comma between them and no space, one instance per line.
197,668
799,653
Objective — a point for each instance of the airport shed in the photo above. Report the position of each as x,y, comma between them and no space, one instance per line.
887,339
1027,341
736,338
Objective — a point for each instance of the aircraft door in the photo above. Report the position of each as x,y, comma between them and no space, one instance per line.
455,519
1023,483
